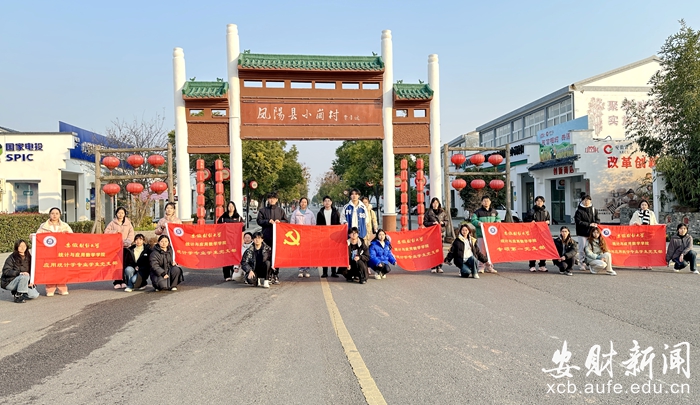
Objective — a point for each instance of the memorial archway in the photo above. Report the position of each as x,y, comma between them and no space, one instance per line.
306,97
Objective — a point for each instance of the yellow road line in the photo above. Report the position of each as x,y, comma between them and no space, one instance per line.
367,384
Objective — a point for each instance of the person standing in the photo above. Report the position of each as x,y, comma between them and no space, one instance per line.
16,274
539,213
436,216
122,225
169,218
54,224
303,216
680,250
137,264
372,224
568,249
355,214
380,256
165,273
359,257
644,216
586,219
267,218
229,217
597,254
256,262
465,252
485,214
328,216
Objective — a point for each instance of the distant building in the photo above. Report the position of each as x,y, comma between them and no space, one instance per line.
572,141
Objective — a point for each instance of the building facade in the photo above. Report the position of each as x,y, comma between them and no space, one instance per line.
572,141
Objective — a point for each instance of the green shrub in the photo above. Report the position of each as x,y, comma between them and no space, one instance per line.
18,226
146,223
82,226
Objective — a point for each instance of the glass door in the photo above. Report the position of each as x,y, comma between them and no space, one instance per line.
557,203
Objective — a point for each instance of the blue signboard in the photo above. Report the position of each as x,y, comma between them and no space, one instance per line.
88,141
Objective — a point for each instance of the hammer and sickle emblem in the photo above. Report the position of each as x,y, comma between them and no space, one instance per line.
293,236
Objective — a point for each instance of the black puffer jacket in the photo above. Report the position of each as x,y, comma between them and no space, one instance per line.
248,261
13,266
539,214
161,261
568,249
271,212
584,217
456,252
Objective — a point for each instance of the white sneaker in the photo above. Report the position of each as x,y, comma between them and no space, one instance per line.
532,269
433,271
612,273
173,289
438,270
260,282
127,289
306,274
301,274
266,284
543,269
384,275
695,272
377,276
476,275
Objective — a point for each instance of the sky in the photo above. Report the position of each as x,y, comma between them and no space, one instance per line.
89,64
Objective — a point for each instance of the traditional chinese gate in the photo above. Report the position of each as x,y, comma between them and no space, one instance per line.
305,97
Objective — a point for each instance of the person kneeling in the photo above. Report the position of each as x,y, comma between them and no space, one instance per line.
256,262
597,253
465,252
680,250
16,274
380,256
137,264
359,256
165,273
568,250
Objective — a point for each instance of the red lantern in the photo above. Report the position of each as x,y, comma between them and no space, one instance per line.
477,159
219,188
478,184
404,187
218,176
218,164
134,188
219,211
135,161
200,176
404,209
156,161
458,159
404,198
404,164
458,184
159,186
419,164
200,200
110,162
253,184
201,212
495,160
199,164
200,188
111,189
420,197
219,200
496,184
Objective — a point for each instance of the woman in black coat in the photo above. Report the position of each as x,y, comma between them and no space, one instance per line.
137,264
465,252
165,273
568,249
16,273
436,216
229,217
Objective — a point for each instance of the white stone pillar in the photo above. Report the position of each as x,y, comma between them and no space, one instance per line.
183,158
233,47
435,147
388,144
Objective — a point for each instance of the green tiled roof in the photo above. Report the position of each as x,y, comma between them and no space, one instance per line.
405,91
205,89
310,62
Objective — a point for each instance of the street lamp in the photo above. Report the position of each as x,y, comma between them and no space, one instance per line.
251,184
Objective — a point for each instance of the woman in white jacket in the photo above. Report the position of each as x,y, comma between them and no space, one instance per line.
644,216
303,216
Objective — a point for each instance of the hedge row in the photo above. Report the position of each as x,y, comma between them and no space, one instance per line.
21,225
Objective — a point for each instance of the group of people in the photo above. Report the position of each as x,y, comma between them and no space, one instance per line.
369,248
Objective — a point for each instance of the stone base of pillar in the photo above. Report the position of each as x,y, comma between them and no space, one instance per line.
389,222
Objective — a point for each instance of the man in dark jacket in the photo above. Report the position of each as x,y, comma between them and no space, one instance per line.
539,213
267,217
586,218
359,257
328,216
137,264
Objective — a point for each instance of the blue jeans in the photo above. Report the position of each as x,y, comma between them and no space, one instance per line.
21,285
680,262
130,276
470,266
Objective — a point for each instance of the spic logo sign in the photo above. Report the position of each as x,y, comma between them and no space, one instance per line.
49,241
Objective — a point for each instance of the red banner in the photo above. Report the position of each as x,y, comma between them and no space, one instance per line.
636,245
417,250
310,245
61,258
514,242
202,247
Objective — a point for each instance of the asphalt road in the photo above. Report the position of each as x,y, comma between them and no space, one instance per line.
424,339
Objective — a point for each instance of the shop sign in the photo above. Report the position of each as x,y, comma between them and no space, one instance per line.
21,152
558,171
555,142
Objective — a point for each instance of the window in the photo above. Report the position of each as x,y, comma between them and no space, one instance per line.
350,86
252,83
300,85
274,85
559,113
402,113
487,139
26,197
517,130
503,135
325,86
419,113
370,86
533,123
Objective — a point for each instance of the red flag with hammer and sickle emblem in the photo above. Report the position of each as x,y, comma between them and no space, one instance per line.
310,245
